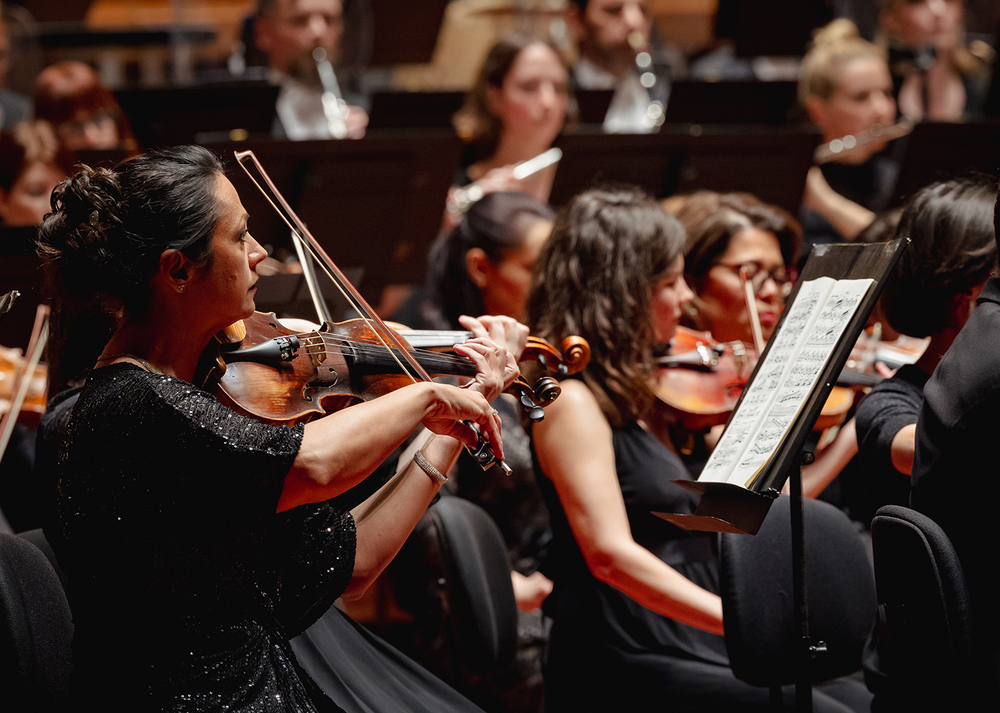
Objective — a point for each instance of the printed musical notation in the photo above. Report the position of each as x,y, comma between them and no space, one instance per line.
790,372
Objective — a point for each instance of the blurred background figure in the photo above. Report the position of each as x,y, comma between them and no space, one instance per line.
937,75
85,115
14,107
288,32
609,34
846,88
518,106
32,163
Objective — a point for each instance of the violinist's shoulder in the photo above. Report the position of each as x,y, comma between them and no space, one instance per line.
575,402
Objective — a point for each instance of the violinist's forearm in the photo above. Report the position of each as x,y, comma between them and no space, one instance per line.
385,519
340,450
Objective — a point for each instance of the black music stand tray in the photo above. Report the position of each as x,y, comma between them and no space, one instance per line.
725,507
770,162
374,203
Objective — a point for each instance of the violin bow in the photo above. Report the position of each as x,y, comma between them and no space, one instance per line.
19,389
751,300
483,452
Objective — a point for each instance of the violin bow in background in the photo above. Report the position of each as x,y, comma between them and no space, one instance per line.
32,355
483,452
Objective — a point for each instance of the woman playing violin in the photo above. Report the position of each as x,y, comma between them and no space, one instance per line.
637,619
729,234
738,246
178,521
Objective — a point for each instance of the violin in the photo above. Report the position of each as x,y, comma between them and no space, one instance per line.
699,382
280,376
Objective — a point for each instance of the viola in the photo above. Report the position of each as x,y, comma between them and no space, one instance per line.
282,376
700,381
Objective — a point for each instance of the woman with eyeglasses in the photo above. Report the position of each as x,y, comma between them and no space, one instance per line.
731,236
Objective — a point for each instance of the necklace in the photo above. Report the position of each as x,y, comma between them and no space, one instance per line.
142,362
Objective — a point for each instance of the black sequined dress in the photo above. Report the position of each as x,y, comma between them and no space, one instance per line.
185,585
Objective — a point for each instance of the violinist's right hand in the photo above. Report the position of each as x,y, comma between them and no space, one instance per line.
448,406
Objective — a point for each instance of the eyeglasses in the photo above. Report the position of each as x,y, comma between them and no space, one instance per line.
784,277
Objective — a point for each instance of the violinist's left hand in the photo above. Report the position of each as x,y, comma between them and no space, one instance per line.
502,330
495,366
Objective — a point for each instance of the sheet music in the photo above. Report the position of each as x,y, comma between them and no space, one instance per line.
808,336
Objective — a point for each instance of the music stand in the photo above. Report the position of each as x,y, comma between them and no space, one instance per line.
770,162
592,105
731,102
404,35
375,203
777,440
939,151
753,25
200,114
413,110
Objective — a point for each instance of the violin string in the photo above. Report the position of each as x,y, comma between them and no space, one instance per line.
368,347
299,234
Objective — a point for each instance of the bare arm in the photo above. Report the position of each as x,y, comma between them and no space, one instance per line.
385,519
901,449
827,466
847,217
574,447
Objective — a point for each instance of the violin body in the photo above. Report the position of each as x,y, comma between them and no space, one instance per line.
281,376
697,395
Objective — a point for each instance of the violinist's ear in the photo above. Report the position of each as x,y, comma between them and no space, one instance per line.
573,17
175,269
478,266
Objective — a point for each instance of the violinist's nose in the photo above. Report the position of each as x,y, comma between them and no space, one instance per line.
685,294
769,291
256,252
635,18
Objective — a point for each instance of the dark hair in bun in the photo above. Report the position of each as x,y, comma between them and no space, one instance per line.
102,242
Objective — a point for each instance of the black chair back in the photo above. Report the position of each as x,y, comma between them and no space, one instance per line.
454,576
764,646
925,625
36,630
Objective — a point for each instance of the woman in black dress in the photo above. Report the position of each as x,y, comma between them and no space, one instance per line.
195,540
637,618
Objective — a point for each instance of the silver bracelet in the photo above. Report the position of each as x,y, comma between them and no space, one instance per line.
436,475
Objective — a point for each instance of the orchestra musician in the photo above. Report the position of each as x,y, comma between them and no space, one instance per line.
195,540
846,88
288,31
32,163
609,34
729,234
954,466
936,75
85,115
931,293
514,112
637,618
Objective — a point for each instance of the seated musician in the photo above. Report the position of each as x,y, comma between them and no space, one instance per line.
70,96
728,233
32,163
931,293
936,75
514,112
955,462
637,619
846,88
196,540
288,31
605,31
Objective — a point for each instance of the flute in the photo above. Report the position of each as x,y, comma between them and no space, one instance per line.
465,197
846,145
